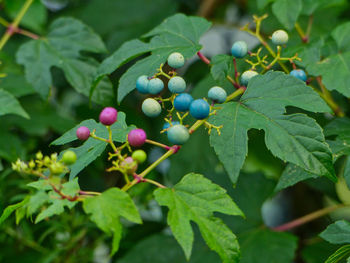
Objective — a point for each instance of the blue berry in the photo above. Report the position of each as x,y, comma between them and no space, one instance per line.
155,86
166,125
182,102
177,85
299,74
176,60
280,37
217,94
199,109
142,84
239,49
178,134
151,107
247,76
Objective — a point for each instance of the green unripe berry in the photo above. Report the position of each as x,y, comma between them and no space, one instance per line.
69,157
56,168
39,156
280,37
139,156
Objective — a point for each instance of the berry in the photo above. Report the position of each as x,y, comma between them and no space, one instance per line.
247,75
130,165
182,102
108,116
280,37
176,60
239,49
177,85
83,133
151,107
199,109
299,74
56,168
69,157
139,156
155,86
217,94
178,134
137,137
142,84
167,125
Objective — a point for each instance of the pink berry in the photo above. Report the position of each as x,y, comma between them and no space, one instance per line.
108,116
83,133
129,165
137,137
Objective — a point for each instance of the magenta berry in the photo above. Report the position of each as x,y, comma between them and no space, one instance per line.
137,137
83,133
108,116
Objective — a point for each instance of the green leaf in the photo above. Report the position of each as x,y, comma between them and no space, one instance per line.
92,148
266,246
295,138
317,252
56,204
335,69
11,208
292,175
10,105
263,3
340,254
127,52
11,147
287,12
337,233
107,209
178,33
147,250
250,193
62,48
341,35
196,198
35,18
222,66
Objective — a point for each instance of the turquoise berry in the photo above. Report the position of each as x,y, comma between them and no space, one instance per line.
217,94
178,134
167,125
280,37
239,49
155,86
199,109
182,102
299,74
177,85
151,107
142,84
247,76
176,60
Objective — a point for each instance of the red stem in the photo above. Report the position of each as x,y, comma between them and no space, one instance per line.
203,58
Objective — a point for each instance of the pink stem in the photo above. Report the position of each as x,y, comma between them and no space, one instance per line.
203,58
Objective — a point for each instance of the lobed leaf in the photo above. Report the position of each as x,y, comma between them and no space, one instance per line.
62,48
296,138
195,198
105,210
337,233
178,33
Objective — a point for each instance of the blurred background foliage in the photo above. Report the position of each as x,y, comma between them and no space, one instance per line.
70,237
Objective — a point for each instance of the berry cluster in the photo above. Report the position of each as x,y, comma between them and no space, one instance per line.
181,102
136,138
279,37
